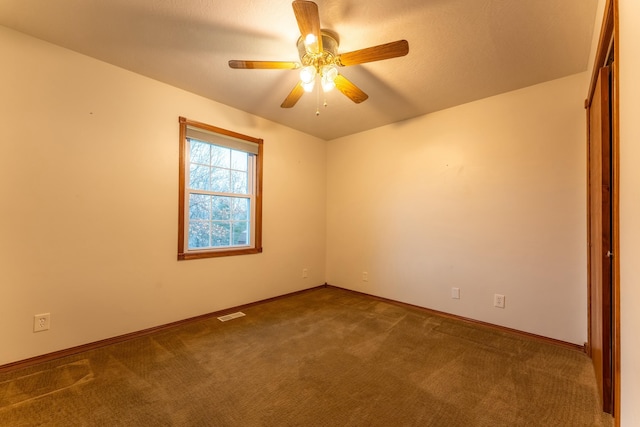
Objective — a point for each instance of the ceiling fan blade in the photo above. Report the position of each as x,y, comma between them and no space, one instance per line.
352,91
374,53
263,64
308,21
293,96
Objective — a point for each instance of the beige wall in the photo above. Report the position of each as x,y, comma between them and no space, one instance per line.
488,197
88,183
630,209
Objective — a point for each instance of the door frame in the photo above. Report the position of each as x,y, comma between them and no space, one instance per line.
608,36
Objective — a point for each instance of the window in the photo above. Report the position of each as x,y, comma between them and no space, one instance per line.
220,200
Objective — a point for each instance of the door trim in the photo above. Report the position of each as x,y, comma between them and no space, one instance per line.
609,33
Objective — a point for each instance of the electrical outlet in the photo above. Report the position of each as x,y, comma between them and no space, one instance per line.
455,293
305,273
365,276
41,322
498,300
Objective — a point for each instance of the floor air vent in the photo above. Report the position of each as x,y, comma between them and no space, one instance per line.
231,316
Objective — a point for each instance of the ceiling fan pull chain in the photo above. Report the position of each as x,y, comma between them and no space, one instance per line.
317,100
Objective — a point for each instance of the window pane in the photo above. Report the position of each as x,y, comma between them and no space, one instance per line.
221,208
240,233
220,156
199,206
240,209
199,177
220,180
239,182
220,234
239,160
198,234
199,152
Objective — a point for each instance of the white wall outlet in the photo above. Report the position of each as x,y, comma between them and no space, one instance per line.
498,300
305,273
455,293
41,322
365,276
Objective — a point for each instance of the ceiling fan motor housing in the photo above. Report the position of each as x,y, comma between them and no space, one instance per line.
328,56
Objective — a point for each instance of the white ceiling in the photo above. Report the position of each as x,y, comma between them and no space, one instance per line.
459,50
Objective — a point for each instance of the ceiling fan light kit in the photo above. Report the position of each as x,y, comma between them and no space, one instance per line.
319,58
315,63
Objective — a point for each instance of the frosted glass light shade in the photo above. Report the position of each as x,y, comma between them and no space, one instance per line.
308,87
308,74
329,73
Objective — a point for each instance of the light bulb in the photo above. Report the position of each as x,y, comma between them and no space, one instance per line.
308,74
310,39
311,43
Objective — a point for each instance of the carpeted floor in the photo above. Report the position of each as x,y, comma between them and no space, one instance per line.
326,357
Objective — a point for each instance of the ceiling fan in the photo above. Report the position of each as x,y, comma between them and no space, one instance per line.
319,57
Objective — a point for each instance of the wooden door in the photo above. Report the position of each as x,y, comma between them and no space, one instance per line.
600,232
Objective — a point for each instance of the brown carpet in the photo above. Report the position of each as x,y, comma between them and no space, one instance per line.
326,357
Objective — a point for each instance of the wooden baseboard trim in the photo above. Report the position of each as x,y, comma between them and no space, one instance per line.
21,364
548,340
